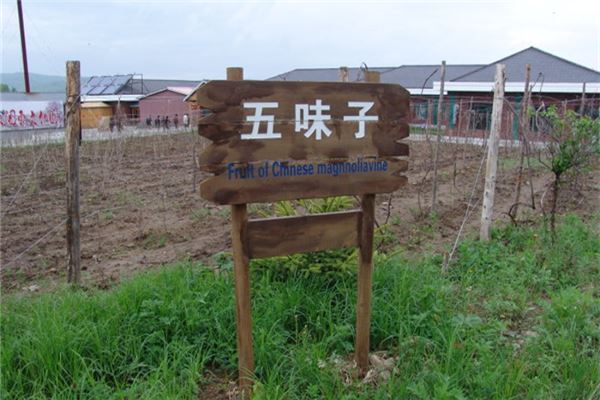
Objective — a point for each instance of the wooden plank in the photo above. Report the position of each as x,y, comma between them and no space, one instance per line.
225,98
229,121
232,187
283,236
73,132
382,141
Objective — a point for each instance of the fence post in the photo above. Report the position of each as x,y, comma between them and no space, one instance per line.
522,126
440,112
582,105
492,156
72,138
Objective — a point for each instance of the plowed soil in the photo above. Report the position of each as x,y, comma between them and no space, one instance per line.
140,207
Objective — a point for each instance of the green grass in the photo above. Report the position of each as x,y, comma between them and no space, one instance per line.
514,318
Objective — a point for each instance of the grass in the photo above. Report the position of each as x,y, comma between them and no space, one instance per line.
514,318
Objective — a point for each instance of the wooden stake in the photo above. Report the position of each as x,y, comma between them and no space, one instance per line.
582,105
365,270
428,124
439,137
241,261
72,137
522,127
235,74
343,72
492,157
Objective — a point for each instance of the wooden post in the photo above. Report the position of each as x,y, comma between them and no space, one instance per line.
241,261
439,138
582,105
428,124
522,126
72,137
492,157
365,269
343,72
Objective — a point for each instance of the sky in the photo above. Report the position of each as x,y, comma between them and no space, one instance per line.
199,39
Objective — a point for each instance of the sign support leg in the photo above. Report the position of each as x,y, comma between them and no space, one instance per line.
243,309
365,278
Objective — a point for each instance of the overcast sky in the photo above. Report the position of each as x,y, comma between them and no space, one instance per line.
199,39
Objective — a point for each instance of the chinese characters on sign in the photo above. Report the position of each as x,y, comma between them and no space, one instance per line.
308,118
303,118
257,118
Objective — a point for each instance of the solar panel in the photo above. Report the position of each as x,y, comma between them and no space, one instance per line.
96,90
111,89
97,85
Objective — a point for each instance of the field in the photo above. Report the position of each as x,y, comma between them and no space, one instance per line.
139,208
515,318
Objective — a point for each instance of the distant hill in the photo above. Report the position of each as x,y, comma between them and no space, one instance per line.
38,82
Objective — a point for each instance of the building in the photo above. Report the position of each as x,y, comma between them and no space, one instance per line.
469,87
118,96
168,101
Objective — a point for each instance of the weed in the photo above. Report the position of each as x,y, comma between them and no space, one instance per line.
107,215
32,187
155,240
224,212
125,198
200,214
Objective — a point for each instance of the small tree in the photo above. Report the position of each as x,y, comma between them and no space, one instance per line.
572,143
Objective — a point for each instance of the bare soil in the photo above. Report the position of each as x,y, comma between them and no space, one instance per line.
140,207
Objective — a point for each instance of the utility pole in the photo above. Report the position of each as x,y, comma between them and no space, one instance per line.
23,47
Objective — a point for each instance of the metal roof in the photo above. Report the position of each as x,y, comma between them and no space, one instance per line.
409,76
149,86
183,90
544,66
323,74
423,76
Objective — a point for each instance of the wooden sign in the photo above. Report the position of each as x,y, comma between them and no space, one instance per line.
288,140
276,141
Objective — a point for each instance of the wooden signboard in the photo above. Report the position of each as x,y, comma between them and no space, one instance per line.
276,141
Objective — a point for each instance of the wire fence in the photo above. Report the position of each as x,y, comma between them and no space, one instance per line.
140,203
138,194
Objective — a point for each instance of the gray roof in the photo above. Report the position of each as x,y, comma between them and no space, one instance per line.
145,86
409,76
552,68
423,76
323,74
